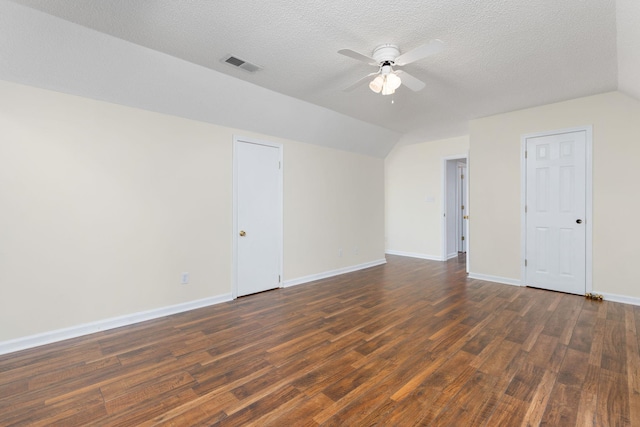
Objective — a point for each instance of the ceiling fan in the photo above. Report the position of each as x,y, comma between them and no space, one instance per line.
386,57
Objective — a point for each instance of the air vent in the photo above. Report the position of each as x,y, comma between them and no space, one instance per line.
241,63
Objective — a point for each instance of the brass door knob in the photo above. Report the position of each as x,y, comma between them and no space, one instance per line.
242,233
466,217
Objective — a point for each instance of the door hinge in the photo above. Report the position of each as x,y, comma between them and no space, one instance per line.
462,207
462,176
525,208
279,280
525,262
462,237
525,154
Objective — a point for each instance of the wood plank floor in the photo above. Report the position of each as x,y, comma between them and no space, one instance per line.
412,342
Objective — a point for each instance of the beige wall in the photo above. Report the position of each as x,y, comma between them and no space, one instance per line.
334,201
413,195
495,186
103,206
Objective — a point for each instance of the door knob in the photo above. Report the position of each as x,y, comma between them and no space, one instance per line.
578,221
465,217
242,233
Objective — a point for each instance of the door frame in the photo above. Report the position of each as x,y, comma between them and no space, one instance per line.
235,228
588,200
461,187
445,212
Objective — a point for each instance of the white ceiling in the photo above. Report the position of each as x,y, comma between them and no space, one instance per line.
499,55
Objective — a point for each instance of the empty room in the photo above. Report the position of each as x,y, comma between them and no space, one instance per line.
319,213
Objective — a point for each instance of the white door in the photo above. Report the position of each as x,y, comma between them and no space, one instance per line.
555,211
258,222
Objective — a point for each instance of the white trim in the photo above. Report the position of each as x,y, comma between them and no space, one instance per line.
326,274
588,201
238,140
523,203
461,171
496,279
468,236
453,255
103,325
415,255
620,298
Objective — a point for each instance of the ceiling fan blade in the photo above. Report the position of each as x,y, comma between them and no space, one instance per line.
409,81
358,83
357,55
433,47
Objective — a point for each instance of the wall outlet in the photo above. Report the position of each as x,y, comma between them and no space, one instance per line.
184,278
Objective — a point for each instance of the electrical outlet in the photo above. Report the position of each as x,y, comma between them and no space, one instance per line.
184,278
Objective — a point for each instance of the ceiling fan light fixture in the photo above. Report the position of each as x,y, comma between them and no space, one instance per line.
377,84
394,81
388,89
386,82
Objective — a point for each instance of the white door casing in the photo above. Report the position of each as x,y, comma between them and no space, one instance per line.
556,211
450,211
257,216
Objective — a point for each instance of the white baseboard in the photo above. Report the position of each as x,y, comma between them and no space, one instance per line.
326,274
496,279
619,298
608,297
453,255
102,325
414,255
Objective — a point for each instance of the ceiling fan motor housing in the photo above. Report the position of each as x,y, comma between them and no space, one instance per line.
386,53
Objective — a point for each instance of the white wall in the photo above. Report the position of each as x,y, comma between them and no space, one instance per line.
413,196
495,187
103,206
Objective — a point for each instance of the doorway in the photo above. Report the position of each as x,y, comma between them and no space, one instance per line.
257,216
461,198
556,212
455,233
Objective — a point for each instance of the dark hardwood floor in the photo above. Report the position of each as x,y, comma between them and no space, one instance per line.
412,342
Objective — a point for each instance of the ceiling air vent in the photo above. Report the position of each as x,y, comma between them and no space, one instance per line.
241,63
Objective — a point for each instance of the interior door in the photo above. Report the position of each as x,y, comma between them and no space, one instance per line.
555,212
258,224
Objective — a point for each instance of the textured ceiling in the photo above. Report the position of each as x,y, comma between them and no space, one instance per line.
499,55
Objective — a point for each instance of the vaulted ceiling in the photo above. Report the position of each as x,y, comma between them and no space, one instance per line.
499,55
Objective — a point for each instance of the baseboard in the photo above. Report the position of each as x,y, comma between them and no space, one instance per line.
619,298
608,297
453,255
326,274
496,279
414,255
102,325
